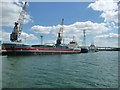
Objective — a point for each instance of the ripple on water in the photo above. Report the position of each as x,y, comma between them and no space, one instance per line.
69,71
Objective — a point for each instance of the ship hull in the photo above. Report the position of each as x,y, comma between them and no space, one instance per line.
84,50
22,49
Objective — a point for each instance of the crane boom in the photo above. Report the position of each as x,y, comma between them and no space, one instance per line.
18,25
61,29
60,34
22,17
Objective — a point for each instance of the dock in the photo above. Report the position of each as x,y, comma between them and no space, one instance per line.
108,48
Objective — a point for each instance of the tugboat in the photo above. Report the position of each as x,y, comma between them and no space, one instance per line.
16,47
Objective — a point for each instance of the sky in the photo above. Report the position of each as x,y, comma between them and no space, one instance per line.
99,19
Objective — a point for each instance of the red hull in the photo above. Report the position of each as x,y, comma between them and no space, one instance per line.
18,49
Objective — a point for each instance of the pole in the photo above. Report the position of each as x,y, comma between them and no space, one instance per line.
41,39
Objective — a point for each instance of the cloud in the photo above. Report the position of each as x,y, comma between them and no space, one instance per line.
75,29
28,36
104,5
110,16
9,0
11,11
91,27
108,36
41,29
5,36
109,12
109,9
110,39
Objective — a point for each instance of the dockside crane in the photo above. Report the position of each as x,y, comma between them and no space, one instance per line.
18,25
60,33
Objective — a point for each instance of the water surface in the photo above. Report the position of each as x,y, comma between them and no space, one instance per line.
90,70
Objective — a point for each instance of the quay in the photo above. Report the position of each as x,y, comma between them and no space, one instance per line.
108,48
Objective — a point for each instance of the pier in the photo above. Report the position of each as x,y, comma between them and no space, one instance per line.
108,48
99,48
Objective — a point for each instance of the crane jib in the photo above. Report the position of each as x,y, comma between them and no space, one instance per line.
18,25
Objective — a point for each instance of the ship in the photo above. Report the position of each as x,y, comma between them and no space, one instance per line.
16,47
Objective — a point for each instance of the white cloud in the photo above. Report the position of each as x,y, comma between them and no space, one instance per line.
41,29
5,36
75,29
110,39
28,36
110,16
10,12
91,27
109,9
104,5
9,0
108,36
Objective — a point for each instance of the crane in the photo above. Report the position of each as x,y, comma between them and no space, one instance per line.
18,25
84,37
60,33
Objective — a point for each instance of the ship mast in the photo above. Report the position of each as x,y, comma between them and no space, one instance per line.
60,34
18,25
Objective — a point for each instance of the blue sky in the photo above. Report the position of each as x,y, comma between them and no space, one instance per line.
42,16
49,14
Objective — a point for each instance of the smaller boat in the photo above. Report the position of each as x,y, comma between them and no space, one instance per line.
73,44
93,48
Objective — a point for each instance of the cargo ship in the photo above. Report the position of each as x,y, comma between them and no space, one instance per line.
16,47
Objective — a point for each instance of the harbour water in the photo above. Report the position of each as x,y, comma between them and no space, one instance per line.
90,70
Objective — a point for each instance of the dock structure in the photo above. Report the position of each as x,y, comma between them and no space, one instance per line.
108,48
99,48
